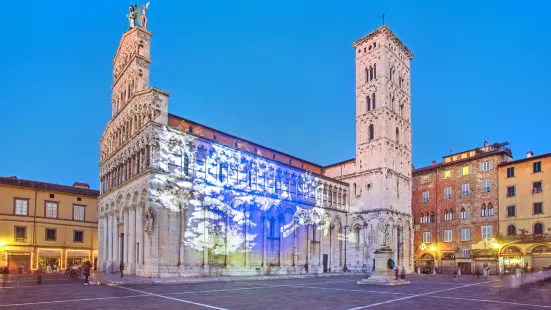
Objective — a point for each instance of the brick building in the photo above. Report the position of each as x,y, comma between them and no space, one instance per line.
455,206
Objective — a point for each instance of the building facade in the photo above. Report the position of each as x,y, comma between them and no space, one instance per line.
182,199
524,215
47,224
455,205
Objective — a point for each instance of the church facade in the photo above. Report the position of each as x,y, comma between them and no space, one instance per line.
179,198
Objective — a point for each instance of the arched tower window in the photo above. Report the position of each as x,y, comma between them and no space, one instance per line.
370,73
490,209
373,101
375,71
483,210
355,189
397,135
463,214
511,230
366,75
368,104
371,132
392,103
450,216
431,220
538,229
446,218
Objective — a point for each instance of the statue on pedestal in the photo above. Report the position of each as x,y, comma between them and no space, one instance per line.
148,221
137,17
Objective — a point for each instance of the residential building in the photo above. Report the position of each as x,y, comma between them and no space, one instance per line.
455,208
525,212
179,198
47,224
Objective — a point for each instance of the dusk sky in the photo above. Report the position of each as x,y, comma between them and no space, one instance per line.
278,73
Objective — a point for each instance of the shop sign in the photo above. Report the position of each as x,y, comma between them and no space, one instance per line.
18,253
78,252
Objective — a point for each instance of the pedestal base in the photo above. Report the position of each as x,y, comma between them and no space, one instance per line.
382,280
382,275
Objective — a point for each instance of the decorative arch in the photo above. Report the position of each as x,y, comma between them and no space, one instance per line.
541,249
511,230
538,228
511,250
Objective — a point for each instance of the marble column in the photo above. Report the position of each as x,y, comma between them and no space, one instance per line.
295,246
308,253
115,239
331,232
139,235
320,247
101,242
132,237
264,220
247,216
110,239
280,241
126,232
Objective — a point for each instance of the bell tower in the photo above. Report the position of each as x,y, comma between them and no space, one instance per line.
383,123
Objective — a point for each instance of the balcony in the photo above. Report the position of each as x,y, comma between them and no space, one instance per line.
20,240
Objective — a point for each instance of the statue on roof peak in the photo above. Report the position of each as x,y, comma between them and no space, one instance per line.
136,17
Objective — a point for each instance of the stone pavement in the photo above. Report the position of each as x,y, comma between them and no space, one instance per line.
115,278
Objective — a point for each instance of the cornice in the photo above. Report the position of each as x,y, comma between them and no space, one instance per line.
384,30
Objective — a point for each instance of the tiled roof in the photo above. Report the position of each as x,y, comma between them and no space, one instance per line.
49,186
481,155
517,161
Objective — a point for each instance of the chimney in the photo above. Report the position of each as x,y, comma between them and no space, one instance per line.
81,185
529,154
434,162
486,143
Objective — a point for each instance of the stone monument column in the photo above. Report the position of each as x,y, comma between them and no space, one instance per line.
126,232
132,238
109,251
115,242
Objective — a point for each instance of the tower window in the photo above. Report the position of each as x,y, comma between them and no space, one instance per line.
366,75
373,101
374,44
370,73
371,132
368,104
397,135
375,71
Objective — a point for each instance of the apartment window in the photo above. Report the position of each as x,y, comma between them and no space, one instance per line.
510,172
425,179
448,193
466,170
538,229
446,215
511,230
78,213
486,232
186,164
448,235
463,214
50,234
486,186
431,218
51,209
487,165
426,237
466,253
490,209
511,211
465,190
483,210
447,174
451,215
78,236
425,197
537,167
538,207
537,187
20,233
511,191
465,234
21,206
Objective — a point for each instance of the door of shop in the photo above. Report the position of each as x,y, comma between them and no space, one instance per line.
16,260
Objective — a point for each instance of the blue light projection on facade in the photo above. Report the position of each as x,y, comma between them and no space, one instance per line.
227,193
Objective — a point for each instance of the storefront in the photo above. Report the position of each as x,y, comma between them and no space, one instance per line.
510,259
426,263
77,257
19,259
448,262
50,259
541,257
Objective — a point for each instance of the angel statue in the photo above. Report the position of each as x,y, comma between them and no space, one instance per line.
148,221
137,17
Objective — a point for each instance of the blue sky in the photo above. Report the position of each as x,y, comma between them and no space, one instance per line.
277,73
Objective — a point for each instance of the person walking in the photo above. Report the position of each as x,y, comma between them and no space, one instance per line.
39,275
121,267
86,272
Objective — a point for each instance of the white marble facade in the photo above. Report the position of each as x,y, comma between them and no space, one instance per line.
174,203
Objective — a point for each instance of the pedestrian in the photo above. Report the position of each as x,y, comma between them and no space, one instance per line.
121,267
86,272
39,274
403,274
396,271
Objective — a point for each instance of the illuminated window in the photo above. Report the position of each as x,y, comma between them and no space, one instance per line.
472,153
447,160
425,179
466,170
456,157
447,174
464,155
